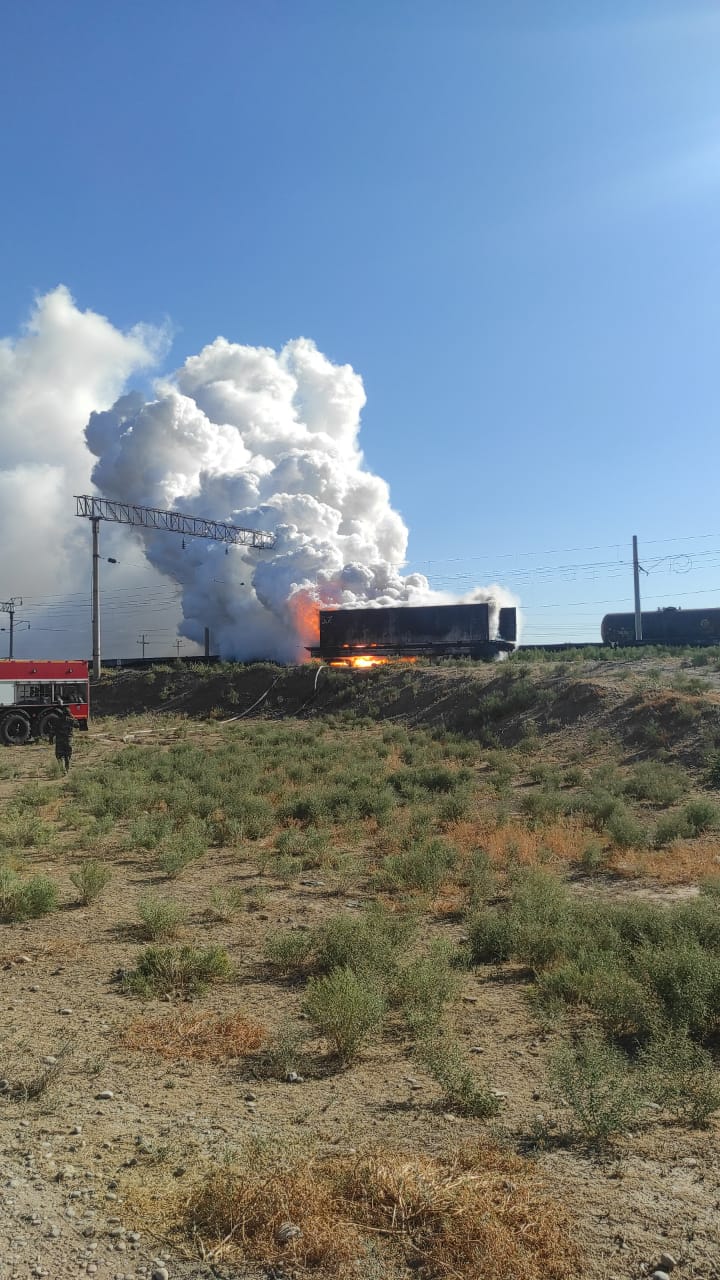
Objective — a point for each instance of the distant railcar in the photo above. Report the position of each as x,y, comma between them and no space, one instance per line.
664,626
410,631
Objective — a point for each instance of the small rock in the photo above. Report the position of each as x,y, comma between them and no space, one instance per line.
667,1262
160,1273
104,1096
65,1011
477,1048
448,1115
292,1077
76,1129
660,1275
251,1097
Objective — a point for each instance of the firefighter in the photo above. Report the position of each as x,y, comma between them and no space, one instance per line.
63,738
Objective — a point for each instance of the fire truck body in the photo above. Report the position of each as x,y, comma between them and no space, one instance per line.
33,692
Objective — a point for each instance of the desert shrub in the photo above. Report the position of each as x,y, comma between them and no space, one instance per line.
310,847
464,1089
173,861
680,1077
26,899
710,887
184,971
478,878
285,1051
368,943
598,1084
160,918
700,815
346,1008
225,904
543,806
423,866
593,855
288,951
658,784
624,830
422,988
91,877
686,979
454,807
149,830
491,937
670,827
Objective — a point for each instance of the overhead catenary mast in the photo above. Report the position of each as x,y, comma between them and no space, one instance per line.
96,509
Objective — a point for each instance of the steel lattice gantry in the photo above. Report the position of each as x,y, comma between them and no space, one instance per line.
172,521
97,509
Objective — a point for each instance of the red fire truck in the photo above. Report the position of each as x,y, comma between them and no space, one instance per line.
33,692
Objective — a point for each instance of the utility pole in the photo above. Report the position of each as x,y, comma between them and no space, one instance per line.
143,641
178,643
207,642
9,608
636,581
96,597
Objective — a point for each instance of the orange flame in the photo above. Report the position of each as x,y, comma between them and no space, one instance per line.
362,661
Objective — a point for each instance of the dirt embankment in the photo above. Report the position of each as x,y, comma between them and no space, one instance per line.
499,706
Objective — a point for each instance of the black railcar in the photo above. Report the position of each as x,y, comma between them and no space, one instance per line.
450,630
664,626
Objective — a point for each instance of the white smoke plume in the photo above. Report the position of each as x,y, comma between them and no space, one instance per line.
64,364
267,440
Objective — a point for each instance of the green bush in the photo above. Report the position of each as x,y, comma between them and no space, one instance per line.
160,918
288,951
26,899
464,1090
681,1078
346,1008
658,784
700,815
598,1084
424,866
183,971
422,988
91,877
491,935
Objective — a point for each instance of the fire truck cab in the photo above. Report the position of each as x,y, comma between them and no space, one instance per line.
33,693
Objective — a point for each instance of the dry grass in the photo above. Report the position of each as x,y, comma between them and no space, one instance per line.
196,1036
683,862
479,1213
514,842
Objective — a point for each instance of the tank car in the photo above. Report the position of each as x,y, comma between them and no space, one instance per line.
664,626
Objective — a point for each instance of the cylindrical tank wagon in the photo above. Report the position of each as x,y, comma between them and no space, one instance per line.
664,626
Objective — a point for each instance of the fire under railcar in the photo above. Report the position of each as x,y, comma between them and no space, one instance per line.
664,626
363,636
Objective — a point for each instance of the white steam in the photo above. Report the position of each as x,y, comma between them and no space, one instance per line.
267,440
64,364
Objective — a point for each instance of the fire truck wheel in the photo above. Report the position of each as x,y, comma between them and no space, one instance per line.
46,724
14,729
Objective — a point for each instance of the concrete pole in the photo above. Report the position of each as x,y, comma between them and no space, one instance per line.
636,580
207,642
96,597
12,629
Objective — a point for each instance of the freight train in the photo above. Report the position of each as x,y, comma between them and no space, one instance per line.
364,637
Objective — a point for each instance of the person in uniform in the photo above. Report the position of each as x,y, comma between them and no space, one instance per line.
63,738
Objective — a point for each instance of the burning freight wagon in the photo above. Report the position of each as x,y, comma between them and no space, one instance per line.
364,637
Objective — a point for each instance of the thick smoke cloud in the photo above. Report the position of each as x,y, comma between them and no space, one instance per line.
268,440
65,364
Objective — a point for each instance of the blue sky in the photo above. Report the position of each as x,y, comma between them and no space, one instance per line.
504,215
